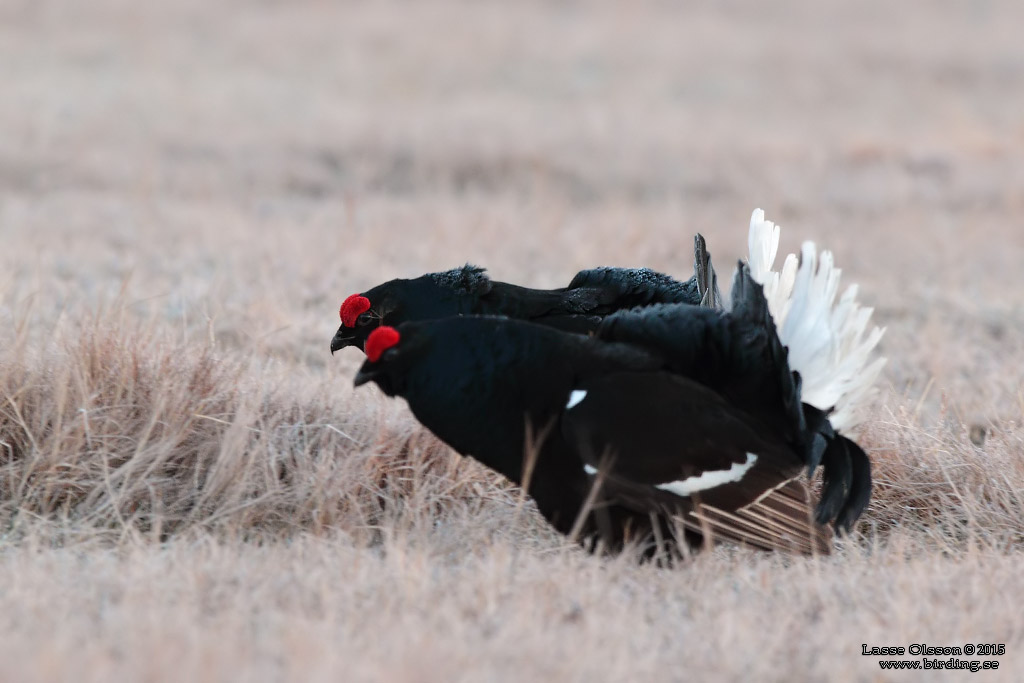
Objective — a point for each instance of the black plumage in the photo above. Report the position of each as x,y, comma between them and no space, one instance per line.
579,307
676,413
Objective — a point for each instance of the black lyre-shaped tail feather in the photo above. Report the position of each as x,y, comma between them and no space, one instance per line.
704,274
847,483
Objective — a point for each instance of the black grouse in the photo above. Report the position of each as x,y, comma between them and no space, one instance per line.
672,414
579,307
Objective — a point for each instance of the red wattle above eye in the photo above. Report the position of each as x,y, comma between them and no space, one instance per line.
379,341
352,308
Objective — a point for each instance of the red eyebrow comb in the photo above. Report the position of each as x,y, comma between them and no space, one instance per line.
352,308
379,341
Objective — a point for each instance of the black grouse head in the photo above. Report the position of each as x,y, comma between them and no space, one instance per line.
388,360
461,372
435,295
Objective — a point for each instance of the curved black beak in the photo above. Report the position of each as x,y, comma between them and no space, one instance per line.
341,340
364,375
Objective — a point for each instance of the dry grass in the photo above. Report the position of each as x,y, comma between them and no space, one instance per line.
190,489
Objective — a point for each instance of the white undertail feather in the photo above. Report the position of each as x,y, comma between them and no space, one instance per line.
829,342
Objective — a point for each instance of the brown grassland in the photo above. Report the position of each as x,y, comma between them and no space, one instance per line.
190,489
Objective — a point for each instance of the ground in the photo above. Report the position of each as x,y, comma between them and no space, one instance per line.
190,489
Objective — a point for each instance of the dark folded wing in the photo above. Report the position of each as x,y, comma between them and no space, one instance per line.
591,295
670,438
615,289
665,444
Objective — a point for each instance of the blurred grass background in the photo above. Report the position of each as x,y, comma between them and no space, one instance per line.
188,191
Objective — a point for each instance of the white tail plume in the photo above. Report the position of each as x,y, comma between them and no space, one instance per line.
828,343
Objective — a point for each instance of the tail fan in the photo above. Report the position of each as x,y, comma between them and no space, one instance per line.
828,342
